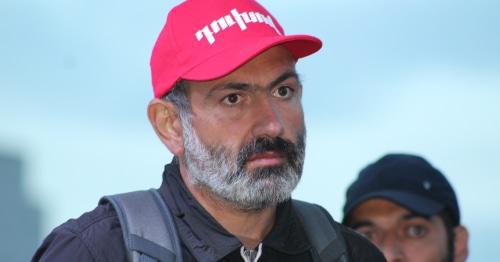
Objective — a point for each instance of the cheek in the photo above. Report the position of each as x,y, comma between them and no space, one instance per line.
431,248
219,130
294,120
232,128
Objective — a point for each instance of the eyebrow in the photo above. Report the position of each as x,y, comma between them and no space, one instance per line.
415,215
286,75
245,86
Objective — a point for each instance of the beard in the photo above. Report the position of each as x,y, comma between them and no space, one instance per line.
224,173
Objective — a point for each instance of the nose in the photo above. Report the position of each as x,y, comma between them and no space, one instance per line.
391,247
268,119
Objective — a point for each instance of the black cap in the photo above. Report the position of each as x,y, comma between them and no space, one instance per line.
407,180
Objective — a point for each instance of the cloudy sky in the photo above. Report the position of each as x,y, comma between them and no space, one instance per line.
393,76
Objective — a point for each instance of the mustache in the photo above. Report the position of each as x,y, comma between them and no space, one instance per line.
259,145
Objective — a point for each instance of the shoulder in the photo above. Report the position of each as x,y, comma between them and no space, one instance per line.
94,236
358,247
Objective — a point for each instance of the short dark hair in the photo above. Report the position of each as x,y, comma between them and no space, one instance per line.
178,96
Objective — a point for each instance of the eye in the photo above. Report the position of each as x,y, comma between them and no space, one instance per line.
416,231
232,99
283,92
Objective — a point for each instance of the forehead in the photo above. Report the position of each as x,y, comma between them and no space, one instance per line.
378,207
385,214
261,70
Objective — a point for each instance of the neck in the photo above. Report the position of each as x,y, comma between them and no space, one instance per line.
249,226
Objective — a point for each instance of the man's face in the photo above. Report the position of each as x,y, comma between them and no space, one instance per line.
244,141
400,234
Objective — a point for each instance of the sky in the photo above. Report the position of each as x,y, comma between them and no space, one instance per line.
419,77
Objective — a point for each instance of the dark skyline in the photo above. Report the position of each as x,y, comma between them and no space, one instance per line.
20,220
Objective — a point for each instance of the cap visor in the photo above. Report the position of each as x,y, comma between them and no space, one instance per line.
233,57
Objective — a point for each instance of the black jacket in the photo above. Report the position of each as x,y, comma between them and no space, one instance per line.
97,235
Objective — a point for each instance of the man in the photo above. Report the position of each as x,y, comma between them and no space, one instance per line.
228,106
408,209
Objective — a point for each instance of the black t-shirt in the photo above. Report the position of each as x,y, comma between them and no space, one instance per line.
97,235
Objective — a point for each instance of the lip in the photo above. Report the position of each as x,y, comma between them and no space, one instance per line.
268,158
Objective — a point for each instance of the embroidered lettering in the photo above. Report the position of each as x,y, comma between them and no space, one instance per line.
234,17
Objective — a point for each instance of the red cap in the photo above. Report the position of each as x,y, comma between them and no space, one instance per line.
208,39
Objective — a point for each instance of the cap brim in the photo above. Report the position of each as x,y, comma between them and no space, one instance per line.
233,57
415,203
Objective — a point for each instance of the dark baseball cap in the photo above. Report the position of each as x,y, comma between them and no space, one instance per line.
407,180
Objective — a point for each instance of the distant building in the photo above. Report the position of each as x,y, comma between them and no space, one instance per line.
19,220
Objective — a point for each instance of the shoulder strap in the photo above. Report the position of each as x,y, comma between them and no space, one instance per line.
147,225
324,235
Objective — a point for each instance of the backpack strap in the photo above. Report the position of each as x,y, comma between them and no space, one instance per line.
147,225
323,232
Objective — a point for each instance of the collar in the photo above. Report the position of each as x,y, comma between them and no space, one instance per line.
206,239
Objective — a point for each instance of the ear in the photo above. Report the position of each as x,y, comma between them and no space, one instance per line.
461,243
164,117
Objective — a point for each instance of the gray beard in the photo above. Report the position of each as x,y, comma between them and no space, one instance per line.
217,170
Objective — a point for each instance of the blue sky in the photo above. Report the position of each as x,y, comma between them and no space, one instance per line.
393,76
